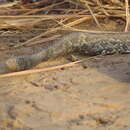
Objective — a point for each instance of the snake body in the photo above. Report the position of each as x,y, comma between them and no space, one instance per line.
89,44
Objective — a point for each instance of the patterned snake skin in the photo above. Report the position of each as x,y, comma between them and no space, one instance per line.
89,44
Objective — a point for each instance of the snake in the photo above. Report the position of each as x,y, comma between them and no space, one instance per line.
83,43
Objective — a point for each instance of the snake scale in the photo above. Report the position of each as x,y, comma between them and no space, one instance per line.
89,44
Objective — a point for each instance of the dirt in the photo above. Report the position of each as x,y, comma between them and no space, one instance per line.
92,95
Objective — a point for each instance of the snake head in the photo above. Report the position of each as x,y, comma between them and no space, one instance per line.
18,63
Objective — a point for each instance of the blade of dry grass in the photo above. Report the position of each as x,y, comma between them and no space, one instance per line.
42,40
102,9
79,3
94,17
20,23
44,9
88,31
35,4
127,15
57,16
6,5
26,72
43,16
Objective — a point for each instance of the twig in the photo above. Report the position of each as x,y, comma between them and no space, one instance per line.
26,72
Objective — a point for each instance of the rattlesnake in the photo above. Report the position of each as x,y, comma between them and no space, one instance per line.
89,44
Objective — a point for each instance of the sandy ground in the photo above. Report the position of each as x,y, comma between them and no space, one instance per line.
92,95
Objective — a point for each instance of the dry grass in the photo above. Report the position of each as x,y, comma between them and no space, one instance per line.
65,9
